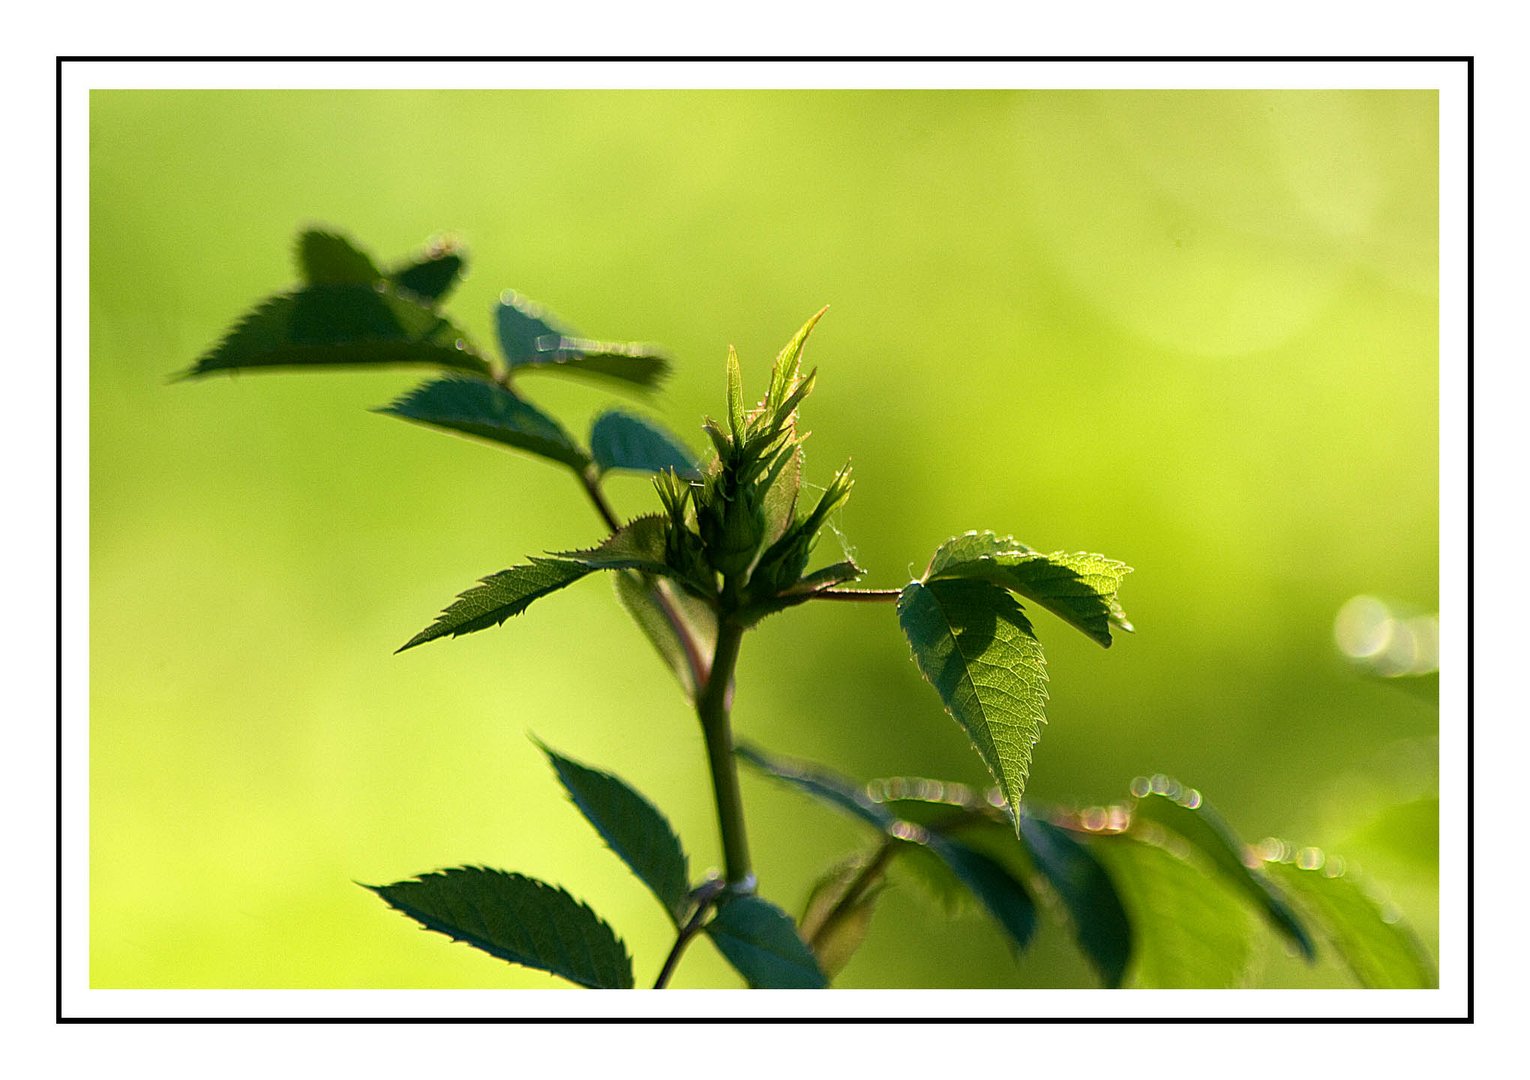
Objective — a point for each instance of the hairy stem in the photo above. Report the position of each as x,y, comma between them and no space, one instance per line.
712,706
870,596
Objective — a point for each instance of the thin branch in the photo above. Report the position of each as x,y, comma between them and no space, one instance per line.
870,596
706,899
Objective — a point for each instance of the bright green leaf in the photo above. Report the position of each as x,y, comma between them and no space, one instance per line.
630,825
531,341
1086,891
340,325
327,258
1182,811
619,440
784,374
1189,929
735,397
486,410
761,942
516,918
975,646
664,612
1079,588
498,597
835,923
1374,943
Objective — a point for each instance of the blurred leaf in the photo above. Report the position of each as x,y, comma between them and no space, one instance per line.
975,646
1405,832
432,275
834,942
821,784
340,325
516,918
1189,929
328,258
761,942
619,440
487,410
1209,834
498,597
1085,889
531,341
1001,893
653,603
1079,588
637,545
1374,943
630,825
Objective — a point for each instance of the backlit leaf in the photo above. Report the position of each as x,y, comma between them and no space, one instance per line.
975,646
1371,939
761,942
630,825
835,923
341,325
1078,587
1086,891
486,410
498,597
516,918
619,440
637,545
657,607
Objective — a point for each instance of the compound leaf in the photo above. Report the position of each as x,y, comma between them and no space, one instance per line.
498,597
1189,929
1078,587
1377,947
657,606
486,410
340,324
1099,921
976,647
1183,812
532,341
516,918
328,258
761,942
619,440
631,826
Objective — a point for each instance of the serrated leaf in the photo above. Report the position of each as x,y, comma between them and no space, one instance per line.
1189,929
498,597
976,647
632,827
1380,953
530,340
340,325
516,918
761,942
619,440
788,366
656,606
1078,587
834,923
1099,921
486,410
432,275
328,258
1210,834
637,545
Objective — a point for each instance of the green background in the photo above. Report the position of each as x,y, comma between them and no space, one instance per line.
1196,331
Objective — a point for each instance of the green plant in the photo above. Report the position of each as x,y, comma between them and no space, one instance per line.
1157,890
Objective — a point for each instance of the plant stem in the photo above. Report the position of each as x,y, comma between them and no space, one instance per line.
706,897
884,596
712,706
592,488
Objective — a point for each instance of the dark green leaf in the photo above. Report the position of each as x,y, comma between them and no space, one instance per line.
1374,943
761,942
516,918
341,325
1085,889
619,440
835,923
530,340
637,545
631,827
1189,928
1079,588
432,275
327,258
657,606
498,597
1001,893
1182,811
487,410
821,784
975,646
